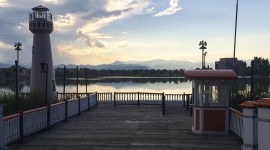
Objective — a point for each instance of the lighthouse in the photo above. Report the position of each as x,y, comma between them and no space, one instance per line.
42,76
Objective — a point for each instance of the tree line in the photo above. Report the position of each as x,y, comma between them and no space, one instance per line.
260,65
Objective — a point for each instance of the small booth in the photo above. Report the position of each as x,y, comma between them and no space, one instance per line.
211,91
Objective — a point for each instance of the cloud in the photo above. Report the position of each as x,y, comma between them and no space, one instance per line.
171,10
4,3
125,32
123,44
92,43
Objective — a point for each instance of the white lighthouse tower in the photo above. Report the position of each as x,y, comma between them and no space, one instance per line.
42,75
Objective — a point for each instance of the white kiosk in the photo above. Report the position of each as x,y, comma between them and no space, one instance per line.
210,114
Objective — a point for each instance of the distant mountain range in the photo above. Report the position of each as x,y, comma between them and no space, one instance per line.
132,65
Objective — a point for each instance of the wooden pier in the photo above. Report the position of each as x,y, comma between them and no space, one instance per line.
127,127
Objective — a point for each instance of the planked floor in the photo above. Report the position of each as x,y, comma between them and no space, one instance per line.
127,127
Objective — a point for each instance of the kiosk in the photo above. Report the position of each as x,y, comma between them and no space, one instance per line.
211,90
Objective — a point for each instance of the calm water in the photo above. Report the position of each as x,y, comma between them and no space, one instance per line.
155,85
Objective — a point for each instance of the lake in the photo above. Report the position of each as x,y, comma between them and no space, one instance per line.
175,85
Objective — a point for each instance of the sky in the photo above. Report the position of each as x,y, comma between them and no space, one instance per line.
103,31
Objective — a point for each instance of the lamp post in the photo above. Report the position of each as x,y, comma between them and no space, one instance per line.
204,56
203,45
44,69
17,48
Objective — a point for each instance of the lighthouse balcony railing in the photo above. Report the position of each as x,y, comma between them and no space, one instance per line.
44,16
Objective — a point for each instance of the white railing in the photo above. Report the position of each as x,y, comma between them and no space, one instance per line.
236,122
57,113
73,107
12,128
104,98
138,98
84,103
25,123
34,120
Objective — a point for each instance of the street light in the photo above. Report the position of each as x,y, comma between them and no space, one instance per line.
17,48
203,45
204,56
44,69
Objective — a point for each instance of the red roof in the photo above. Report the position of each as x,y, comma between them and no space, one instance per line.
211,74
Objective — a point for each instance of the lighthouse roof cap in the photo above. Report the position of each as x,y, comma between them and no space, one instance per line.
40,7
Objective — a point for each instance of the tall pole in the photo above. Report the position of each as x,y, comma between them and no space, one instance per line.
86,80
17,48
17,87
235,31
77,80
203,45
202,59
46,87
64,88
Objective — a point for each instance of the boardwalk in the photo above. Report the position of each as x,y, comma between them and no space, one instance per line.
127,127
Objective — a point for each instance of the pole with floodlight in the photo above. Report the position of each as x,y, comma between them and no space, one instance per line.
17,48
203,45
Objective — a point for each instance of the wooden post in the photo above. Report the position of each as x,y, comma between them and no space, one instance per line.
97,98
66,110
184,100
88,102
21,127
48,116
114,102
138,99
163,104
2,135
79,105
187,102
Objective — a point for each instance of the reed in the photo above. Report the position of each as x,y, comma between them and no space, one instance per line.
26,101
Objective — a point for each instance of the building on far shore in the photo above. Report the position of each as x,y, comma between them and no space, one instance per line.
227,63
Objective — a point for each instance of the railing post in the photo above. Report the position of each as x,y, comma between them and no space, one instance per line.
250,126
188,103
138,99
21,127
88,102
2,135
114,102
163,104
79,105
97,99
48,116
66,110
184,100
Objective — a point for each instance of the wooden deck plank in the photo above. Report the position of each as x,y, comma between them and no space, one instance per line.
127,127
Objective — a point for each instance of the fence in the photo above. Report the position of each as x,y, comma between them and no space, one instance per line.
19,125
236,122
136,98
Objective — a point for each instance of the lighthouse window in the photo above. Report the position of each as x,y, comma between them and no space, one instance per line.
38,24
43,25
53,81
34,25
48,25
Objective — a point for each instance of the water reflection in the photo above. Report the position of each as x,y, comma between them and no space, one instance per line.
119,84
